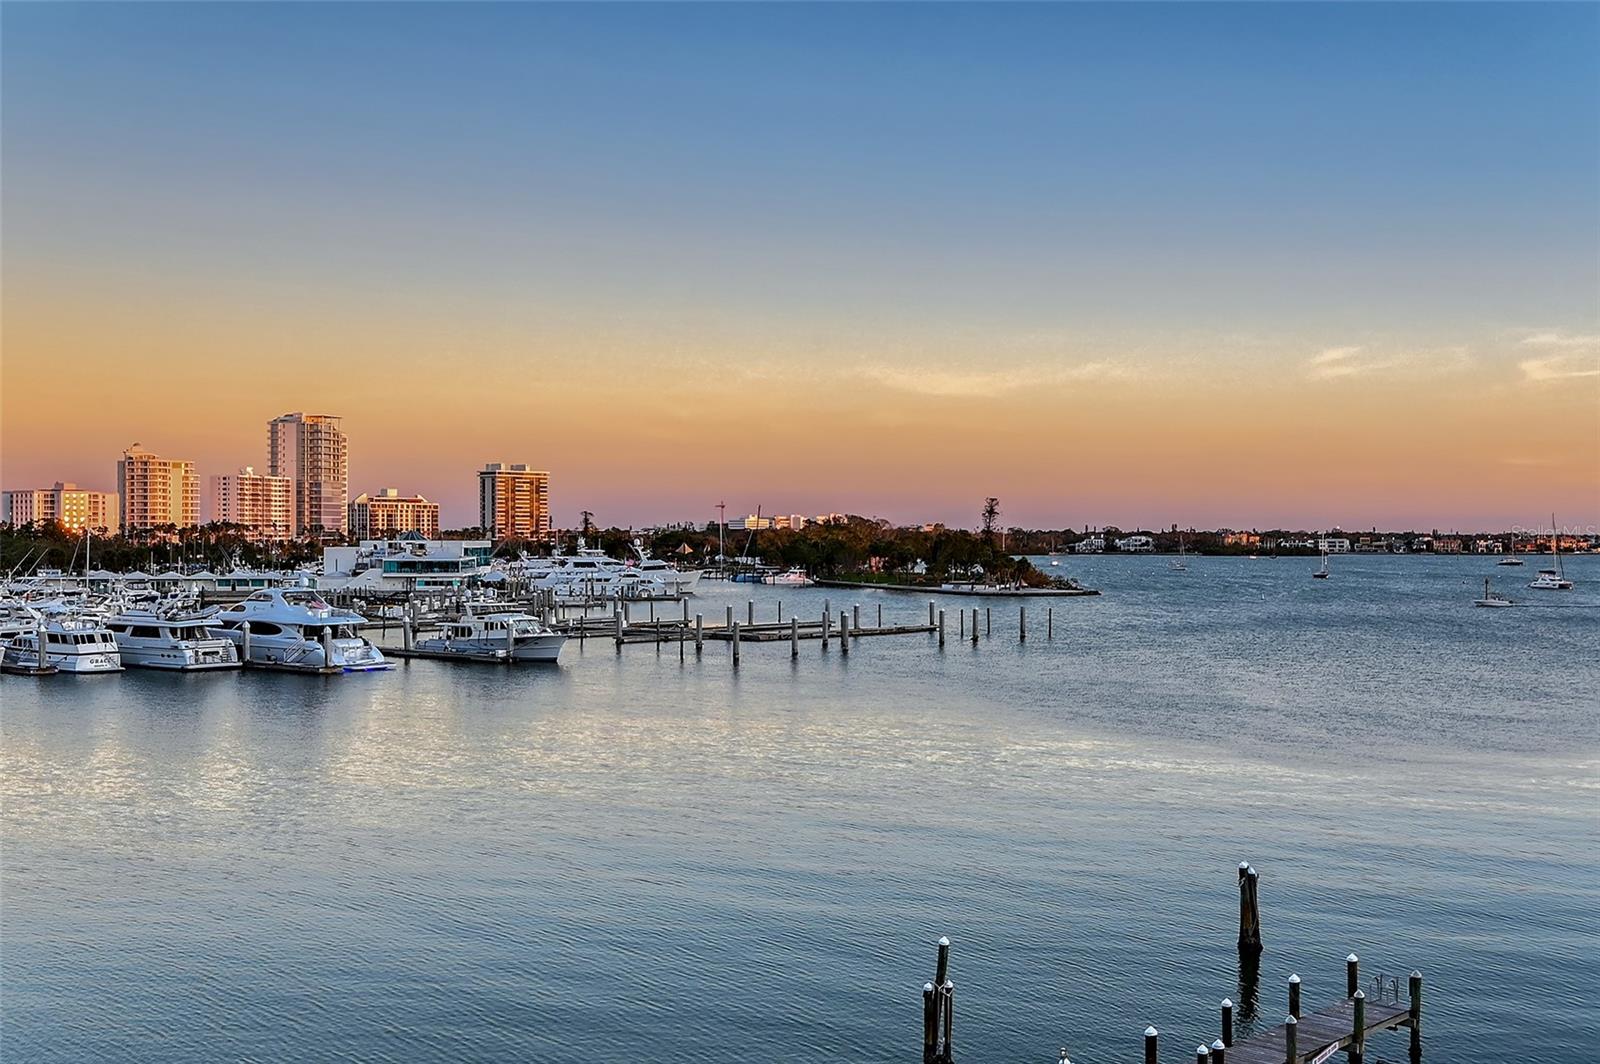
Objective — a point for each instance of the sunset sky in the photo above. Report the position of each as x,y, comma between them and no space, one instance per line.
1255,265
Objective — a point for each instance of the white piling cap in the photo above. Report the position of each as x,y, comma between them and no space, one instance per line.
1352,958
1361,994
927,988
1227,1003
1415,974
1243,865
1202,1050
1290,1021
1217,1045
1294,979
949,984
943,941
1150,1032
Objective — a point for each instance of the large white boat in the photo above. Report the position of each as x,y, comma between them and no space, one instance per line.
792,577
71,644
172,638
1552,579
294,628
495,633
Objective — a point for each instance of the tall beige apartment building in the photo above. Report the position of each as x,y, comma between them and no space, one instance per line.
261,502
74,508
513,500
157,491
389,512
311,451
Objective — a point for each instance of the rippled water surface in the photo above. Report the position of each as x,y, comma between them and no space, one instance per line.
631,857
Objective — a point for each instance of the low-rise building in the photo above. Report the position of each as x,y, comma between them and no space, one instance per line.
74,508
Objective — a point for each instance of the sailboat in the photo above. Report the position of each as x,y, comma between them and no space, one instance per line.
1322,573
1492,599
1552,579
1179,564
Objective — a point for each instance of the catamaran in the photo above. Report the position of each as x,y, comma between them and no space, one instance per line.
1552,579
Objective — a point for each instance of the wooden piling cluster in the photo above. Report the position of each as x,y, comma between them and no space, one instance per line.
1302,1038
938,1011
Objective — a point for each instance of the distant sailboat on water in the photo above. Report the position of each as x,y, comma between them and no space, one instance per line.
1322,573
1179,564
1552,579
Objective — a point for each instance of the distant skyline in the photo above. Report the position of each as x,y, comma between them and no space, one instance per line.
1252,265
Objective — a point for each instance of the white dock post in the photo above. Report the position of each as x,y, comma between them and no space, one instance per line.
736,642
855,616
327,648
930,611
38,634
844,632
617,617
794,637
827,619
405,629
750,611
511,643
728,622
244,654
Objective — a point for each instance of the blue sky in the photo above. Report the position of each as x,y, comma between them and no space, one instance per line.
1239,186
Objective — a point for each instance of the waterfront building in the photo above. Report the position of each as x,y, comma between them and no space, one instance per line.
513,500
157,491
1334,545
312,451
261,502
1090,545
74,508
390,513
406,562
756,523
1140,544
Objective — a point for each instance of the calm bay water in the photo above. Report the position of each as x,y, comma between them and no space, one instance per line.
631,858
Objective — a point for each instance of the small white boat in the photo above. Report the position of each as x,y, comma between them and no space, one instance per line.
1552,579
1322,573
172,638
1180,564
1492,599
71,644
793,577
295,629
507,635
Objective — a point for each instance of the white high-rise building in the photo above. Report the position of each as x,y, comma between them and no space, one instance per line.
311,450
157,491
261,502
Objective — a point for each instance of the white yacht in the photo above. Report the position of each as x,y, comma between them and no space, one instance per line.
792,577
1552,579
676,581
294,628
509,634
172,638
71,644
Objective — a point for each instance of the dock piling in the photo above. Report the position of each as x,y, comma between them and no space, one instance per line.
794,637
1249,909
1227,1022
827,622
736,642
855,616
699,633
1415,986
1049,622
844,633
930,621
1202,1054
1358,1028
974,626
728,621
1291,1036
1022,624
1294,996
750,611
880,615
1352,975
930,1022
941,628
988,621
1219,1052
1151,1052
619,618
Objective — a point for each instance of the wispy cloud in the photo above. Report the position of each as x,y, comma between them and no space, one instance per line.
935,381
1564,357
1335,362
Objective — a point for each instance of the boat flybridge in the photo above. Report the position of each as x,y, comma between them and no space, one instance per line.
172,637
487,632
71,644
293,628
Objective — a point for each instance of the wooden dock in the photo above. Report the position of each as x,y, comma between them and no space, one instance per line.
1319,1035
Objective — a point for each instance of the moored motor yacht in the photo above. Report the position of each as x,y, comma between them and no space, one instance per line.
507,634
293,628
793,577
71,644
172,638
